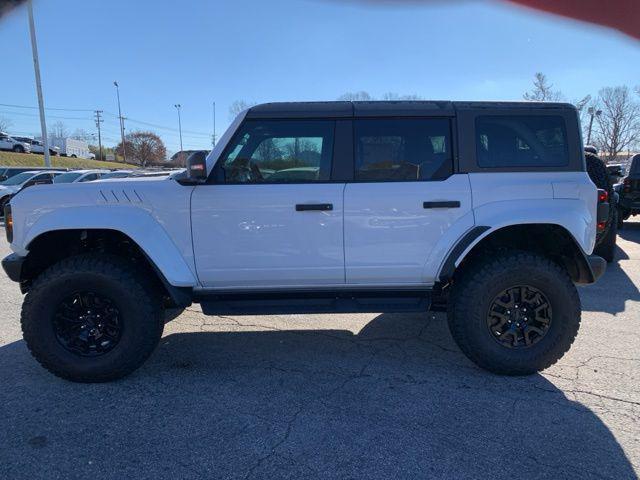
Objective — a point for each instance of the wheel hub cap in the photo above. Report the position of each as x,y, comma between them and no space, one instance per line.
519,316
87,324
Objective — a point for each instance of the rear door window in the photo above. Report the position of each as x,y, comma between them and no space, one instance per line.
402,149
521,141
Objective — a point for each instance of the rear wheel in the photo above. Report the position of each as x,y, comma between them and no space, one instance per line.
515,313
91,319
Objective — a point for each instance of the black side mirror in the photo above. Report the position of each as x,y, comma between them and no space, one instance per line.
197,166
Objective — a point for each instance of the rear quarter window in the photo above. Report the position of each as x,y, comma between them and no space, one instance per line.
521,141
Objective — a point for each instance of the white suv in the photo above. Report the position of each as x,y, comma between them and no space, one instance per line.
9,143
480,209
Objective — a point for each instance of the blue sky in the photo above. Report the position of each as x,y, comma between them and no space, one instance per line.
194,52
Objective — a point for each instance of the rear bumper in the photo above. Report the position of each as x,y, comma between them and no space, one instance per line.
597,265
12,265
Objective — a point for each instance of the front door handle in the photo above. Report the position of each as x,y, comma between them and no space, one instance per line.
442,204
319,207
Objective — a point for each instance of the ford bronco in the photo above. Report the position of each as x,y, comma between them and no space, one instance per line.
480,209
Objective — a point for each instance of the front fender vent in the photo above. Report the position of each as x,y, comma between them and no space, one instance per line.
120,196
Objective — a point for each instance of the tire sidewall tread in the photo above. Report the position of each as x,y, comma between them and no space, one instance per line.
477,286
138,301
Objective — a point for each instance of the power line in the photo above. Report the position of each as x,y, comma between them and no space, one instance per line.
47,108
48,116
162,127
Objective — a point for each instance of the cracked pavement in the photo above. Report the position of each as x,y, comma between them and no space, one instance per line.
333,396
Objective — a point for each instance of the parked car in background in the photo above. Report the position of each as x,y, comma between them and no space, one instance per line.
37,146
71,147
8,172
13,185
79,176
629,192
8,142
616,172
116,174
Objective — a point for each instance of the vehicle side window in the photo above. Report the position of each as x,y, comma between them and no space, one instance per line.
89,178
400,149
280,151
521,141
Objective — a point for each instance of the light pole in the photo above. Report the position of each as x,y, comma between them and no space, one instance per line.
213,138
593,113
36,67
124,148
178,107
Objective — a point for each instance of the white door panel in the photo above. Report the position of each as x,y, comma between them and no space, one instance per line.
389,234
252,235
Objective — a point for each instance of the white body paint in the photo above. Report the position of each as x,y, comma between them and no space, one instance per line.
250,236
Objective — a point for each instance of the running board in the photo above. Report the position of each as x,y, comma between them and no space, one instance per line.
353,301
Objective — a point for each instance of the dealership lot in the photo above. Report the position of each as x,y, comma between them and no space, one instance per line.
334,396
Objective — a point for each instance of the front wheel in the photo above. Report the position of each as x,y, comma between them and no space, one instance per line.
18,149
91,319
515,313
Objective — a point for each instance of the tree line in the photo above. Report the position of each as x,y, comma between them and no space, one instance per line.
610,119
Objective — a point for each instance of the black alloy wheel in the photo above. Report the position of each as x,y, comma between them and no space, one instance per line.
519,317
87,324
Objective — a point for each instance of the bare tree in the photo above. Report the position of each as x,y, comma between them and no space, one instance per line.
59,130
542,90
619,123
82,134
238,106
360,96
145,148
397,96
5,124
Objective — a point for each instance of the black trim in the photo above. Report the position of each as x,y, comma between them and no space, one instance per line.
442,204
449,266
597,265
342,162
12,265
315,301
316,207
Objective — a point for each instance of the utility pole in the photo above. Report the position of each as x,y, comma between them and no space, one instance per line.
36,67
178,107
98,122
213,137
594,113
124,147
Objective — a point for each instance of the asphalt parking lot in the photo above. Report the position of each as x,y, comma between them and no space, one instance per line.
333,396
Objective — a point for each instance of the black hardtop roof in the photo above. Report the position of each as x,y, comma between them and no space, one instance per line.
345,109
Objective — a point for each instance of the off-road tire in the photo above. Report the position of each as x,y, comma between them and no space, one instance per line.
597,171
137,299
607,246
478,284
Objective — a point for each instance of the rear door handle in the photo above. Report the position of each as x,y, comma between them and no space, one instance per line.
319,207
442,204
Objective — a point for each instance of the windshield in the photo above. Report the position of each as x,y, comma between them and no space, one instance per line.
67,177
18,179
115,175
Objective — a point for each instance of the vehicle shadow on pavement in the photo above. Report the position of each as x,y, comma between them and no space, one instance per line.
611,292
395,400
